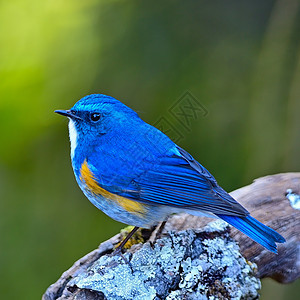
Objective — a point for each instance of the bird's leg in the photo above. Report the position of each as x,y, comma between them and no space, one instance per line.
127,238
161,228
157,232
118,250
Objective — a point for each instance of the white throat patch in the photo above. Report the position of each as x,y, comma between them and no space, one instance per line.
73,137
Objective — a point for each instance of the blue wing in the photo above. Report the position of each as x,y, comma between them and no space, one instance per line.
179,181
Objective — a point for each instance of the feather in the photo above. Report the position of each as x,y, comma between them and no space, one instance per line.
179,181
257,231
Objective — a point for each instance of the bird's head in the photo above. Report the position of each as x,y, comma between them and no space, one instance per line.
97,115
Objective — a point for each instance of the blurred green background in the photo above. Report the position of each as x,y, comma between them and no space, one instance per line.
240,59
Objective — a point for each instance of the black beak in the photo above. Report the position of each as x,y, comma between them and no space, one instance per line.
67,113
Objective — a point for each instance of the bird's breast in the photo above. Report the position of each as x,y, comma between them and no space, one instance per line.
89,182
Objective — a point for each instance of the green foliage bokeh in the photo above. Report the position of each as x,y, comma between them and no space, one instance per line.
240,59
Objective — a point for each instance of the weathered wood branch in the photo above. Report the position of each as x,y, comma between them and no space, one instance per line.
266,199
184,260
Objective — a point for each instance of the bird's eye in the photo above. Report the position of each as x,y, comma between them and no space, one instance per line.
95,117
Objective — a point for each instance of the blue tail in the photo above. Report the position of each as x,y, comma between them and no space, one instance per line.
257,231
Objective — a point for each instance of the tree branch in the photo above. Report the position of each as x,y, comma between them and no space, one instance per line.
180,260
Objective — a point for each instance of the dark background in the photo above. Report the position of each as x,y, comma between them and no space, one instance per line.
240,60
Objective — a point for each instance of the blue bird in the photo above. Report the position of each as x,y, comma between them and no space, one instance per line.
137,175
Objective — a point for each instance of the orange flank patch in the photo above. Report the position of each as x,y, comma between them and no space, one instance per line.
129,205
